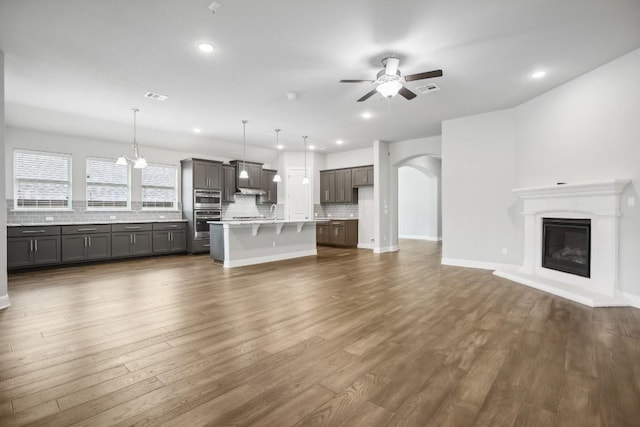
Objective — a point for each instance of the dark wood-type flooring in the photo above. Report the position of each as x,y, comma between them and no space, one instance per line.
349,338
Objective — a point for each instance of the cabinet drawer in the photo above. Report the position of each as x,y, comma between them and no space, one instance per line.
169,225
338,223
133,227
50,230
86,229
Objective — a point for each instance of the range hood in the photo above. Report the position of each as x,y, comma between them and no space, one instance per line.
251,191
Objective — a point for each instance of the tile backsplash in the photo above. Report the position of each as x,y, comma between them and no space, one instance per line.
80,214
337,210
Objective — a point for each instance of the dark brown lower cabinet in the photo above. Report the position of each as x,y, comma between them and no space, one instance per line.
337,233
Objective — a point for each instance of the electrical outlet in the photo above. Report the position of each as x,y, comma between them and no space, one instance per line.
162,217
112,217
631,202
274,244
48,218
504,251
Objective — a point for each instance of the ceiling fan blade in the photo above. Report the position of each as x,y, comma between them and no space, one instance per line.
406,93
420,76
391,66
357,81
367,96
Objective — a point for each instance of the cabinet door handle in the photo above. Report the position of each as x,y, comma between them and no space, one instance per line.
85,241
134,239
87,229
133,227
89,238
131,239
35,245
32,231
30,245
171,226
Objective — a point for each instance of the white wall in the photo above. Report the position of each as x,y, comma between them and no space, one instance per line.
585,130
349,159
4,296
480,215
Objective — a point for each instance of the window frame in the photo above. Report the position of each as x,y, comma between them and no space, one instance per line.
174,207
69,181
86,182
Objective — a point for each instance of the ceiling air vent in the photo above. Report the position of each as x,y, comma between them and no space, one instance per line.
156,96
429,87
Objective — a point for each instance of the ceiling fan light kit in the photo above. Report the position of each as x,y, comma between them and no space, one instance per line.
389,80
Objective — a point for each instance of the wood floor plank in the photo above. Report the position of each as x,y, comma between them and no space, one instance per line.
345,338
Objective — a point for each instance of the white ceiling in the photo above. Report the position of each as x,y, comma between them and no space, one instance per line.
79,66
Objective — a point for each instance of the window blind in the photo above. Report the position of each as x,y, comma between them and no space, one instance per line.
107,184
42,180
159,186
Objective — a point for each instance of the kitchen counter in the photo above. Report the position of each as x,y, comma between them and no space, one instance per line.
42,224
238,243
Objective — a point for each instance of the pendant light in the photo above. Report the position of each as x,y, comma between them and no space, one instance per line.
243,172
305,180
277,178
138,161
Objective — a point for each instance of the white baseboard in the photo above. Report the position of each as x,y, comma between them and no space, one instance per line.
4,301
476,264
419,237
633,299
365,245
384,249
270,258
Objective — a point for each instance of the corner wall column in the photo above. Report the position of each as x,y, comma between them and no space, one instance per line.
384,201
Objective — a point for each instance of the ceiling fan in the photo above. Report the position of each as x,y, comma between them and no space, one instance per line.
389,80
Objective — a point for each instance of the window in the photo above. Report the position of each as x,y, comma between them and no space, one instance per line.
41,180
107,184
159,184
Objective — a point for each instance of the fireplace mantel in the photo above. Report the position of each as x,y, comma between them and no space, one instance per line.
597,201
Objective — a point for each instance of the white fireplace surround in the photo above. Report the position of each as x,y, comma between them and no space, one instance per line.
597,201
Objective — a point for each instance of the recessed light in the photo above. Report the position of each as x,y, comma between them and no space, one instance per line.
196,130
366,115
205,47
339,142
312,147
279,146
538,75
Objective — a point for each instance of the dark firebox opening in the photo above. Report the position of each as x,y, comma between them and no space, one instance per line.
566,245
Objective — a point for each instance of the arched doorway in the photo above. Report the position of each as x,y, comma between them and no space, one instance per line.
419,199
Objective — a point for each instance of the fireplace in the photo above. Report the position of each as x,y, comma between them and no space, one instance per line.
579,224
566,245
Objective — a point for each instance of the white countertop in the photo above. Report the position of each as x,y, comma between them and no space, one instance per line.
260,221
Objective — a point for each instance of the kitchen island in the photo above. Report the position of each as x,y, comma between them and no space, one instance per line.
239,243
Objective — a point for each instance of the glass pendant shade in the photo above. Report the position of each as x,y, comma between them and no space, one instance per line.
389,89
122,161
244,174
305,180
277,178
140,163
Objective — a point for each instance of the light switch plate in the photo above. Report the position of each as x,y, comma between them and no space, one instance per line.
631,202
